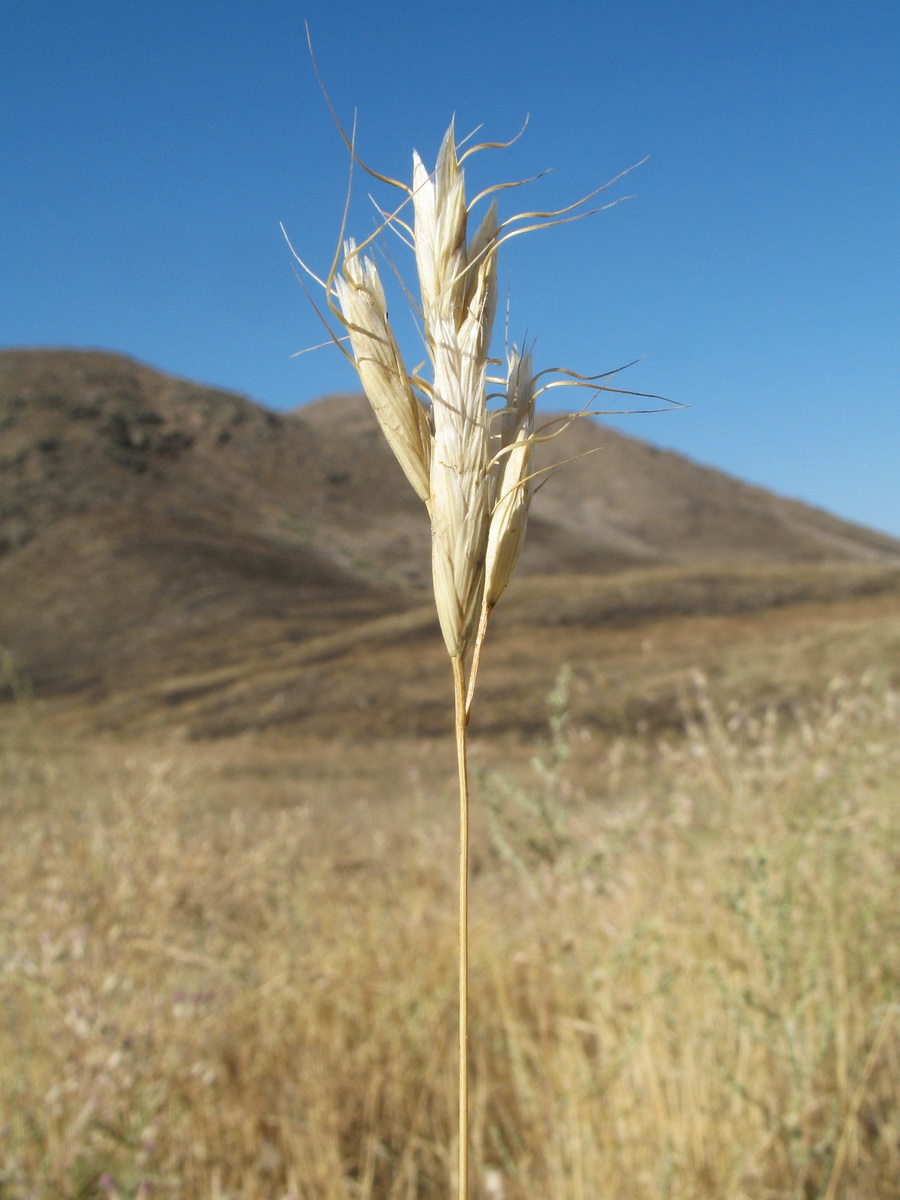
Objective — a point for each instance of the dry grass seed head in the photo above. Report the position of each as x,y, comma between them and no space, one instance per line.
478,500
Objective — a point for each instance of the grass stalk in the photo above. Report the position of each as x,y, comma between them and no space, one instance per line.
465,447
462,722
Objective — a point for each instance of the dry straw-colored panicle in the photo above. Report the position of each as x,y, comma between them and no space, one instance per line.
447,458
475,482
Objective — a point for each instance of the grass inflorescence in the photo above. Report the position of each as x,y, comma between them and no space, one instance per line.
463,435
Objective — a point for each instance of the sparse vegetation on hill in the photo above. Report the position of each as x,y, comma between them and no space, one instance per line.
153,529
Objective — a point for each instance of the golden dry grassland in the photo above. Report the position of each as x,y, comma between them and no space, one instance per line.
685,969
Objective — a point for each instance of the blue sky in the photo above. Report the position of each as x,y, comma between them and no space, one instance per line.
149,151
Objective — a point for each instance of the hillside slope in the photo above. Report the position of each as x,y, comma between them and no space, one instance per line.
151,526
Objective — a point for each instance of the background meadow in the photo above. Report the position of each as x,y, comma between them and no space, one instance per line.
684,966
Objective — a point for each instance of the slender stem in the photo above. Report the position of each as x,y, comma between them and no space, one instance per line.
486,610
462,719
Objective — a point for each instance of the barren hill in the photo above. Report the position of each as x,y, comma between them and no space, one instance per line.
618,502
151,527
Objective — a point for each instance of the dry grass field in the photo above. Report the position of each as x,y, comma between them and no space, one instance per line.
226,970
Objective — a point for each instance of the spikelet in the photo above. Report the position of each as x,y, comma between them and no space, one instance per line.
514,482
400,413
481,277
460,496
439,202
458,304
